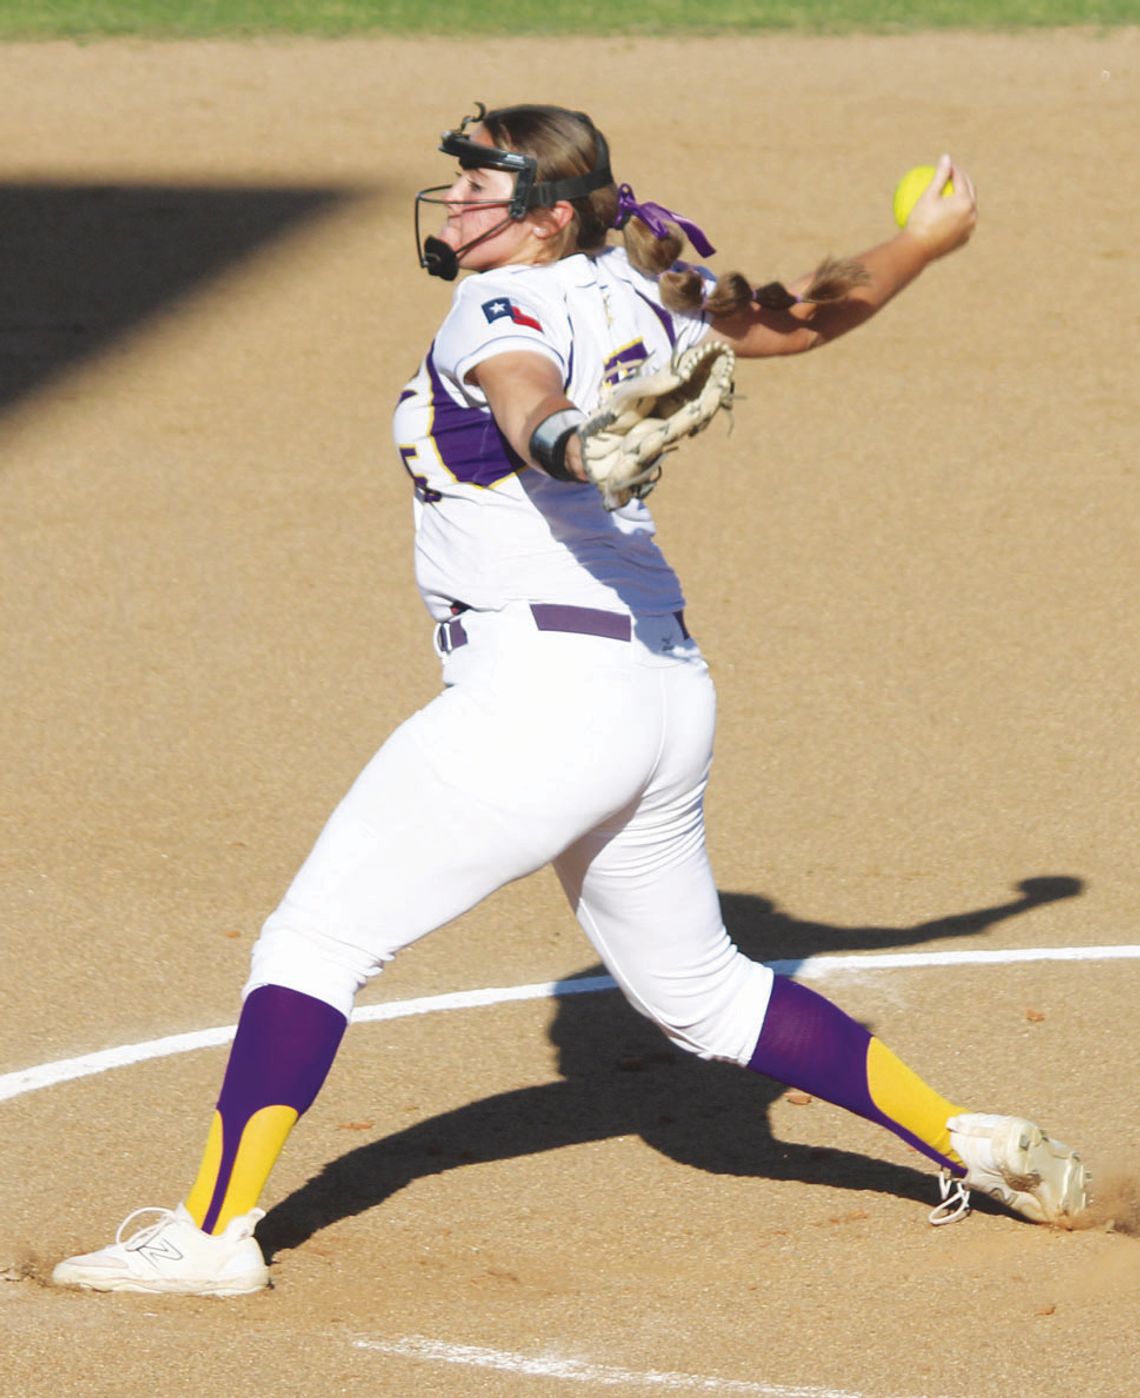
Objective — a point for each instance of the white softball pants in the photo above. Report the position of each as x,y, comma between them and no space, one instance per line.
545,747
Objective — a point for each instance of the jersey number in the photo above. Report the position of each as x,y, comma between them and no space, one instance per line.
424,493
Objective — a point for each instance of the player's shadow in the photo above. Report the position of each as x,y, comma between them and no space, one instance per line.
622,1078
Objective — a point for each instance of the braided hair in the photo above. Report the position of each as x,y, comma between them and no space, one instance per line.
564,144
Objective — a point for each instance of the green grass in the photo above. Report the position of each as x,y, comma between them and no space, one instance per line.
185,18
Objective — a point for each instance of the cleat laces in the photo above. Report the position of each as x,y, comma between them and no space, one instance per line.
955,1202
141,1236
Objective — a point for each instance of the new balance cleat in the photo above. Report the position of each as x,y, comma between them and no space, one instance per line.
172,1255
1013,1161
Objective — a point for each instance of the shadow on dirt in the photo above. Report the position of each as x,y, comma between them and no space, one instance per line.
84,263
621,1078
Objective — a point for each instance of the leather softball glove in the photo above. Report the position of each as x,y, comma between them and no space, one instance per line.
647,415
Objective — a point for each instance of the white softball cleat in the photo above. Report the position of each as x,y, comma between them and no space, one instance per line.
173,1256
1013,1161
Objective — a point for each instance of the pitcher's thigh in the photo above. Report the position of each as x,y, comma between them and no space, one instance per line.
659,931
402,854
464,797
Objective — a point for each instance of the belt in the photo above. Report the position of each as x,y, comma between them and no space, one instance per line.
553,616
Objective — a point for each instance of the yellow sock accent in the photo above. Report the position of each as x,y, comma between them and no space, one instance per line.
198,1200
261,1143
901,1094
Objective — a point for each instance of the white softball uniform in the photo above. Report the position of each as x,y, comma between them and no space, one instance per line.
576,722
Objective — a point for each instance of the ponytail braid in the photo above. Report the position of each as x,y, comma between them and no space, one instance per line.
684,289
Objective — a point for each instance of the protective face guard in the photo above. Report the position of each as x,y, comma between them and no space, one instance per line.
438,257
473,156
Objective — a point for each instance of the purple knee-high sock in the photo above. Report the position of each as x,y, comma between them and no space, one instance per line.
809,1043
283,1049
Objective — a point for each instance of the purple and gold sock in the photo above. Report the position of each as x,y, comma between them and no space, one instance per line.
809,1043
283,1049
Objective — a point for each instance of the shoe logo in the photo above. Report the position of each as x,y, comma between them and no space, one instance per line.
161,1250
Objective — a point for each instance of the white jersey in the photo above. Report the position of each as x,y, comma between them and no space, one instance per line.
490,531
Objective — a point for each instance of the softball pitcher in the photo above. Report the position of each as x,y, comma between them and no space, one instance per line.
575,724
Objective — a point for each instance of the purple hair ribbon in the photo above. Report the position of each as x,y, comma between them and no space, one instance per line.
654,217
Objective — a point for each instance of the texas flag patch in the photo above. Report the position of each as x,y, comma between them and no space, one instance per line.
496,310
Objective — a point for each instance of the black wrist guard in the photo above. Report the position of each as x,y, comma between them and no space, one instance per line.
549,439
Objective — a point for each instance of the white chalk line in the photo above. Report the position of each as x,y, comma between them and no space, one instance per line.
580,1371
34,1079
571,1370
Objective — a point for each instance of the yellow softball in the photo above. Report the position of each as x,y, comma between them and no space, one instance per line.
910,189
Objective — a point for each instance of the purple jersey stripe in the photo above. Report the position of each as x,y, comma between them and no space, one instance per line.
468,439
664,317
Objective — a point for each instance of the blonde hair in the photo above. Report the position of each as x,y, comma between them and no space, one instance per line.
566,144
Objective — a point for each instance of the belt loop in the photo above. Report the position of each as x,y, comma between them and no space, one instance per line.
449,636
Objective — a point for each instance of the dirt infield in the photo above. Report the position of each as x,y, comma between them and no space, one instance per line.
913,566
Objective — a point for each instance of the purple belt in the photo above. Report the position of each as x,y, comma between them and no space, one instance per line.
553,616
